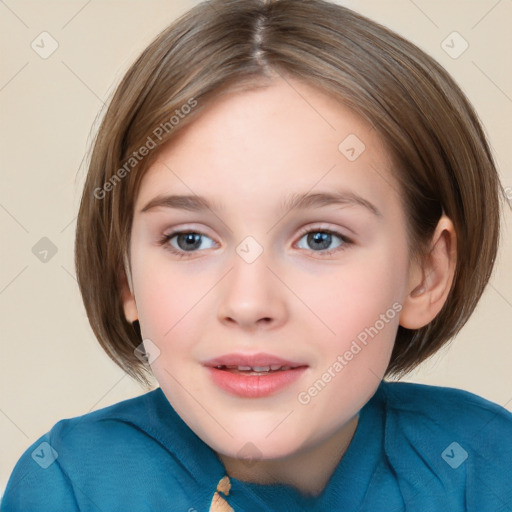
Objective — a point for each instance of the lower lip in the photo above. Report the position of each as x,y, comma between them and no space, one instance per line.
255,386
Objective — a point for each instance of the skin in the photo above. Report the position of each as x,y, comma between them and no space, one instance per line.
246,153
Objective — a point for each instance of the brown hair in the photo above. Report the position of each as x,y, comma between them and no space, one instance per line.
442,160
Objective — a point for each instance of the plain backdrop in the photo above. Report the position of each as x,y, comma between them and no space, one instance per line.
52,366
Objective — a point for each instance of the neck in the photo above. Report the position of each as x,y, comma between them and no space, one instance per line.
308,471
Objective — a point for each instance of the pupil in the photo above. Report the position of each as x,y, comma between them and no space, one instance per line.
321,240
190,241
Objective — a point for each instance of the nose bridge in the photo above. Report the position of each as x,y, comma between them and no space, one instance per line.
250,274
251,293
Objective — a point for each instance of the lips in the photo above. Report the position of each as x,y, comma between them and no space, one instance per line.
254,376
253,361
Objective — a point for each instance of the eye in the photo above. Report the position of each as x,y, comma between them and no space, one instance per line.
324,241
186,241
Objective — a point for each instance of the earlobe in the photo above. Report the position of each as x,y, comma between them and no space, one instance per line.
128,296
129,306
430,283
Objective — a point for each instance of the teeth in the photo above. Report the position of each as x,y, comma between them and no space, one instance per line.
272,367
261,368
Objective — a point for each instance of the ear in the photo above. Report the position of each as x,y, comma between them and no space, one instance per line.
430,282
127,294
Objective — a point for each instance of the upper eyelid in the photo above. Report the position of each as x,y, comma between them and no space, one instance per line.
304,231
328,229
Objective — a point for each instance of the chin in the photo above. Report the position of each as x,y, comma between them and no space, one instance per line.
253,448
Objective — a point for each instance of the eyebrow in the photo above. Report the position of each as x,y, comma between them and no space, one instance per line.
197,203
320,199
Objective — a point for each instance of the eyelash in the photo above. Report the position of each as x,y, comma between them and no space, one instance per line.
346,242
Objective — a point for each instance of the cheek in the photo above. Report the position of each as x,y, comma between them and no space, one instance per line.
353,297
360,304
165,297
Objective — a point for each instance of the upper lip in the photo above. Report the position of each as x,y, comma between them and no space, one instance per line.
252,360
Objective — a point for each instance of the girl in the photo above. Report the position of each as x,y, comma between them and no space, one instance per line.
286,203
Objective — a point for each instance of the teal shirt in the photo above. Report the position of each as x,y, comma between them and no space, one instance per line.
416,448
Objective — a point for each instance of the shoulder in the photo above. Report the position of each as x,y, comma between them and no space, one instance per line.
455,409
135,412
88,436
458,442
81,460
137,454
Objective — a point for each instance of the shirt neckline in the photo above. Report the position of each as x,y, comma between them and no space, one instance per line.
346,487
351,478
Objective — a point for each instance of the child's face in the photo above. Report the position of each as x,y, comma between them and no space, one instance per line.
336,314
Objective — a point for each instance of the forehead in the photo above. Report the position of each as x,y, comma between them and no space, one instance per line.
259,145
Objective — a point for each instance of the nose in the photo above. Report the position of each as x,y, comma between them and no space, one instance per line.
252,297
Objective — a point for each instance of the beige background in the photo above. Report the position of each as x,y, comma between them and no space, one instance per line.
51,365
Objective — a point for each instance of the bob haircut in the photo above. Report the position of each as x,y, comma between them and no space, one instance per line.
440,155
